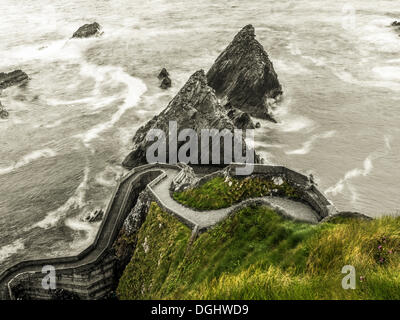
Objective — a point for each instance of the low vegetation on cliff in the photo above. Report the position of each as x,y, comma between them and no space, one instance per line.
222,193
258,254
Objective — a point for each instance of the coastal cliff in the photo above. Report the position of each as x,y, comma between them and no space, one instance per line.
244,76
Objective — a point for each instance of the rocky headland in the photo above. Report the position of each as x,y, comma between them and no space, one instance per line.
241,83
244,77
88,30
195,106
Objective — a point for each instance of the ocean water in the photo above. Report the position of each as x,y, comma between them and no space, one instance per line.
71,125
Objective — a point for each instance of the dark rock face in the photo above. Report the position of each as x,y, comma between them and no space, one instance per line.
244,76
3,112
16,77
125,245
163,74
396,26
240,119
165,79
166,83
88,30
195,106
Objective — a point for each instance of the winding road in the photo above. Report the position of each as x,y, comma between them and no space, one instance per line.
157,178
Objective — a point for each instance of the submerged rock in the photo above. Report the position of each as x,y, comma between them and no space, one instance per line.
3,112
16,77
88,30
244,76
194,107
95,216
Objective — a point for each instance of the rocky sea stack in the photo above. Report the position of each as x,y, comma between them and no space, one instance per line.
244,76
16,77
195,106
165,80
88,30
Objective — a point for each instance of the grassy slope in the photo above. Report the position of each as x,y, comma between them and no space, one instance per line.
220,193
256,254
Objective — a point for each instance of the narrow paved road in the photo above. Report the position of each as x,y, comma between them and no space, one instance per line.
205,219
116,214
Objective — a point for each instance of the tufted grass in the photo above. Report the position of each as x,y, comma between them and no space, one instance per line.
257,254
220,193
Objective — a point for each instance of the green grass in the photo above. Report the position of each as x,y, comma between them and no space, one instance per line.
220,193
257,254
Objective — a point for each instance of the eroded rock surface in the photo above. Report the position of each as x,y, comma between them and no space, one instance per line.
244,76
187,178
194,107
88,30
165,80
16,77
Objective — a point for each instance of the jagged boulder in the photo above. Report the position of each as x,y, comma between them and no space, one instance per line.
184,180
163,74
244,76
16,77
166,83
165,80
125,244
194,107
88,30
240,119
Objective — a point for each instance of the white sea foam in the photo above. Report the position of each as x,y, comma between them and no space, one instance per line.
289,121
351,174
391,73
89,228
27,159
319,62
52,51
358,172
134,89
11,249
379,35
290,67
307,146
349,78
77,201
109,177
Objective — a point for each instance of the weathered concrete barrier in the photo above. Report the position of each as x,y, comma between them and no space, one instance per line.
90,274
306,189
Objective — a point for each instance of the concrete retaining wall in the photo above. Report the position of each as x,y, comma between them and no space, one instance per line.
86,276
307,191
